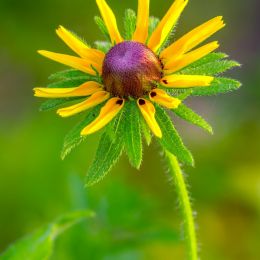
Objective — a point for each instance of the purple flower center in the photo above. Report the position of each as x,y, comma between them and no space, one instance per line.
130,69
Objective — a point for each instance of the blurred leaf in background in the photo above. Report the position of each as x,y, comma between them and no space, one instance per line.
39,245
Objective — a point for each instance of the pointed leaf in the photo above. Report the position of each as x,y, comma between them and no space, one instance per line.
103,46
153,22
214,56
132,134
102,27
73,138
107,155
68,74
211,68
52,104
218,86
189,115
67,83
145,131
39,244
171,140
129,24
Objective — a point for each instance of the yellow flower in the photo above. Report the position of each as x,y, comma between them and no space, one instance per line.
137,69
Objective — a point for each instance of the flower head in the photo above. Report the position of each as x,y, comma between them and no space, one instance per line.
126,83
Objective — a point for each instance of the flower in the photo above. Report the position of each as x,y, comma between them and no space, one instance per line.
141,68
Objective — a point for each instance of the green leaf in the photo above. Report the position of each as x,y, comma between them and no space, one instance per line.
73,138
129,24
184,95
107,155
39,245
153,22
132,134
218,86
189,115
171,140
101,25
68,74
145,131
52,104
103,46
168,38
67,83
211,57
108,152
211,68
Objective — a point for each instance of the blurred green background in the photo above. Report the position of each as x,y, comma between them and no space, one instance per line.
137,212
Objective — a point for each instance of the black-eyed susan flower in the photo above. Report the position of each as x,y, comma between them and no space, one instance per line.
125,84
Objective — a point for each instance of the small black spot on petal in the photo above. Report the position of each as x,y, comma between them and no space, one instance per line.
141,102
119,102
153,94
165,81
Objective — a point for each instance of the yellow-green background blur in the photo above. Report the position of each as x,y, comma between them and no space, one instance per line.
137,211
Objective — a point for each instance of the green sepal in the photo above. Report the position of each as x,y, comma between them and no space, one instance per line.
189,115
67,83
39,244
103,46
129,24
146,133
168,39
131,131
211,68
108,152
101,25
73,138
171,140
69,74
153,22
218,86
211,57
52,104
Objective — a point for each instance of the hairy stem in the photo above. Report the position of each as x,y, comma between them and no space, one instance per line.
185,206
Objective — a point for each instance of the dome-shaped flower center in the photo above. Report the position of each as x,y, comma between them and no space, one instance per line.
130,69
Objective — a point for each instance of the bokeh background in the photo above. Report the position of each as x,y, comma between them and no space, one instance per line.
137,212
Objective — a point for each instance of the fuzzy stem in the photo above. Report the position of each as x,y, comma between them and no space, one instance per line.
185,206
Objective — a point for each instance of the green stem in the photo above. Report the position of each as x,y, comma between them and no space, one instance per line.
185,206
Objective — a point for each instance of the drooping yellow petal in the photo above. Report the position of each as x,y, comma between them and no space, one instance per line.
142,23
193,38
162,98
78,46
186,81
110,21
85,89
92,101
148,111
73,62
165,26
174,65
107,113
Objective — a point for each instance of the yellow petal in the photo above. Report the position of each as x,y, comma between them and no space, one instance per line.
110,21
165,26
174,65
193,38
85,89
142,23
92,101
79,46
162,98
107,113
73,62
148,111
186,81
